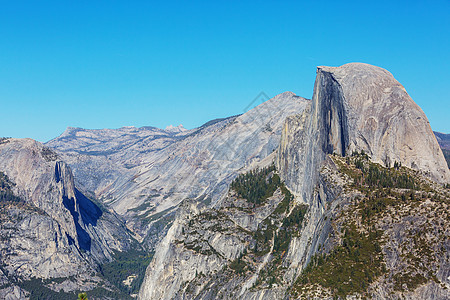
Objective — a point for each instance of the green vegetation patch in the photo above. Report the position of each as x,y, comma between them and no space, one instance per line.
8,199
238,265
281,226
265,233
38,290
349,268
257,185
368,174
124,264
291,226
390,197
6,193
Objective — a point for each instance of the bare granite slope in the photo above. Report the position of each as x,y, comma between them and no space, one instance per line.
50,229
381,118
144,173
354,107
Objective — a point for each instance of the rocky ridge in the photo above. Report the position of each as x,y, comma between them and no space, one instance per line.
49,229
270,204
356,107
165,168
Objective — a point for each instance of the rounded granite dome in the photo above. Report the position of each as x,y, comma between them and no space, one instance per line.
380,117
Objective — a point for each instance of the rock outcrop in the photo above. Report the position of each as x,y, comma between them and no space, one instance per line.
49,229
202,256
443,140
222,241
359,107
164,167
356,107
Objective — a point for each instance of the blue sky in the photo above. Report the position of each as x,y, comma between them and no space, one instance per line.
108,64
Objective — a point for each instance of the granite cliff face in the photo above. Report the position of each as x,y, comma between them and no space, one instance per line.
164,167
197,256
359,107
269,204
49,229
356,107
381,119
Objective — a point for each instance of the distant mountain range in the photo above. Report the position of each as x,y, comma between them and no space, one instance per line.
343,195
444,141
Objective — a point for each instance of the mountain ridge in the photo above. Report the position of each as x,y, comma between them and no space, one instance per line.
158,168
53,231
333,123
252,206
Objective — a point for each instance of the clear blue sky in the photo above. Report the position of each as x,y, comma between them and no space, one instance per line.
108,64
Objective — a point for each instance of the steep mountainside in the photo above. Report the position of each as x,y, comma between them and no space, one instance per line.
359,107
266,241
384,234
444,141
49,229
372,241
100,156
165,167
345,195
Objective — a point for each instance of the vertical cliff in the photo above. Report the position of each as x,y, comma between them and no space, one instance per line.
48,228
358,107
237,249
354,107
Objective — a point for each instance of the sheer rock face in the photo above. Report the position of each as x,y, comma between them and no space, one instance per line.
241,144
358,107
381,118
166,167
56,231
355,107
192,260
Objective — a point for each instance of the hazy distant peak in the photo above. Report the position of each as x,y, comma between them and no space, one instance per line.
175,129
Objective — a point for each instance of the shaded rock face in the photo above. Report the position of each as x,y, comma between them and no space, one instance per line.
382,119
193,260
54,230
358,107
354,107
165,167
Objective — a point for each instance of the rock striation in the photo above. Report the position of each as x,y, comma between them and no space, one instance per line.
144,173
355,107
50,229
190,196
359,107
